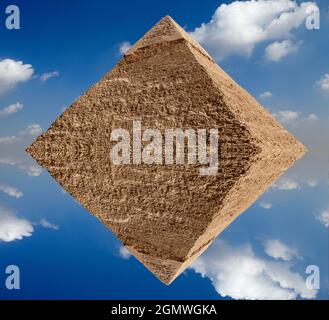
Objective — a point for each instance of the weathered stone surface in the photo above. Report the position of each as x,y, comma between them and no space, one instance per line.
166,215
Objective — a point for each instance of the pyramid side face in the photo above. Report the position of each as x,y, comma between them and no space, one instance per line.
279,150
267,132
166,215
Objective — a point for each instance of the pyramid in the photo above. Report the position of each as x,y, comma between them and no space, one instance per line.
166,215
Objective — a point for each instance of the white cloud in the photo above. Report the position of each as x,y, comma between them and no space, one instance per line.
124,47
286,116
265,205
124,253
323,83
12,72
312,183
324,218
11,109
12,150
33,170
314,135
286,184
23,164
32,130
48,225
277,50
236,28
13,228
312,117
11,191
277,250
266,95
8,140
238,273
48,75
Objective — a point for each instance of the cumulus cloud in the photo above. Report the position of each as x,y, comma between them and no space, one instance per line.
238,273
292,117
286,184
286,116
13,228
236,28
312,183
277,250
124,253
31,130
324,218
13,72
266,205
8,140
323,83
21,163
308,172
48,75
11,191
124,47
312,117
11,109
277,50
48,225
12,150
266,95
314,135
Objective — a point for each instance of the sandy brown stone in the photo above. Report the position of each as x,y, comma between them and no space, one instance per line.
166,215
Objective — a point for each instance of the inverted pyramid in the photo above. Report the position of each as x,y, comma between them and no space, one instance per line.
166,215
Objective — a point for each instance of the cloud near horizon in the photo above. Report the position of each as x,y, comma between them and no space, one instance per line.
12,150
286,184
288,117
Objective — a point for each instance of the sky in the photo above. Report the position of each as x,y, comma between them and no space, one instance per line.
62,48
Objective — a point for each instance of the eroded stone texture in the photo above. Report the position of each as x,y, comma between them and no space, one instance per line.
166,215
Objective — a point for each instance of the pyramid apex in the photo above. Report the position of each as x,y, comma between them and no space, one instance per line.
168,17
166,30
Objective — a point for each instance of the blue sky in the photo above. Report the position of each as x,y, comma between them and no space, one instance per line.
64,252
